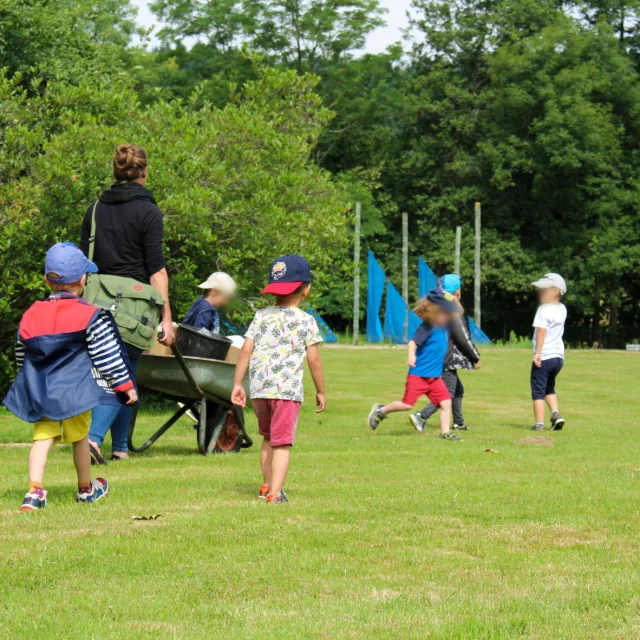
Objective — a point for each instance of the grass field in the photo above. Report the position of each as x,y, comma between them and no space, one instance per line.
389,534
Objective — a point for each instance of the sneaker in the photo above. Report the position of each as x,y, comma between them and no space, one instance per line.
537,427
280,498
449,435
376,416
99,489
460,427
557,423
36,499
264,492
418,422
96,454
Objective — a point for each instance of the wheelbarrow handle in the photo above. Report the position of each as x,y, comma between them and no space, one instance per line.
183,365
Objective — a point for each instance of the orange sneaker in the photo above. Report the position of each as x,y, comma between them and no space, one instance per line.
264,492
277,498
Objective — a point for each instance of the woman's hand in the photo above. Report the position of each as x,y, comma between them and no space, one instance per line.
168,334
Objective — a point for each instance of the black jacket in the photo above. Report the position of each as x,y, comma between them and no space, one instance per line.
129,232
461,352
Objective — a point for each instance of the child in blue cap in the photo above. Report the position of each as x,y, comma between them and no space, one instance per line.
427,350
461,354
70,360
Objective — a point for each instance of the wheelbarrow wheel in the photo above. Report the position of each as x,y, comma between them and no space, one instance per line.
230,439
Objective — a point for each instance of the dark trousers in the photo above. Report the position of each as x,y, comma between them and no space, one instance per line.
456,391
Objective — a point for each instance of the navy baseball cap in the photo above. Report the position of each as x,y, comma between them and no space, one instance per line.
68,263
443,299
287,273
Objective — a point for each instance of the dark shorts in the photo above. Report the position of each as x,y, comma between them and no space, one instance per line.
543,378
434,388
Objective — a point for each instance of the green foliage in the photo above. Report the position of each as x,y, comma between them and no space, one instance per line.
235,184
539,124
301,33
528,106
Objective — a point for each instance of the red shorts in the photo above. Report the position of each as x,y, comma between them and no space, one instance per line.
434,388
277,420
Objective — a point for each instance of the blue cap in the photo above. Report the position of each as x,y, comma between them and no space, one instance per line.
451,282
69,263
443,299
286,274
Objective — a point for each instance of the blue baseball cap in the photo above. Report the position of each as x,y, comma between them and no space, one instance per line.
443,299
451,282
68,263
287,273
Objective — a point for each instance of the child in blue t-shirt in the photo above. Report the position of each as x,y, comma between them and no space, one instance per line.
203,315
427,350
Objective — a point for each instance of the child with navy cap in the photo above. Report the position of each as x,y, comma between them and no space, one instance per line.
461,354
427,350
276,345
70,360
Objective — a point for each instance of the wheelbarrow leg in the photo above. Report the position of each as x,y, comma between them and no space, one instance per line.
213,441
164,428
239,416
202,428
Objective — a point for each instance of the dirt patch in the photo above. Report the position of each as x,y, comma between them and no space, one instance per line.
537,441
15,444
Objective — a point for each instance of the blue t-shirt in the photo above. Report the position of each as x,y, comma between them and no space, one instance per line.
203,315
432,348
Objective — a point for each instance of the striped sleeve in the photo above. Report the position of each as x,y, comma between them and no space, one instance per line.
106,354
20,351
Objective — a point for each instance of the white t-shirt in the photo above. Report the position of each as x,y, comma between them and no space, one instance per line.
282,336
552,318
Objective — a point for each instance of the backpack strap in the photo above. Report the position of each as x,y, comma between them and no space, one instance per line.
92,237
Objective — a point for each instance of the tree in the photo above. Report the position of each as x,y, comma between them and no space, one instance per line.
303,34
539,125
235,184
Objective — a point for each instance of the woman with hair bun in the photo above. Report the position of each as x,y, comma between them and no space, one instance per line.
128,242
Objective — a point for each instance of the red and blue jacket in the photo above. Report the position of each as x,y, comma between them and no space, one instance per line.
71,359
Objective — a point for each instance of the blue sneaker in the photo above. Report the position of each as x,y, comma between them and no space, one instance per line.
99,489
37,499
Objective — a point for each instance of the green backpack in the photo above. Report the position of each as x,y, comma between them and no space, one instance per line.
136,307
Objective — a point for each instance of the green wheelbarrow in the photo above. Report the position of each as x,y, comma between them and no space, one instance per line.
199,385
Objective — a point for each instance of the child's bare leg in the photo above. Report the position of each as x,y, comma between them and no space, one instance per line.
552,401
38,460
445,416
82,461
279,467
266,460
538,411
398,405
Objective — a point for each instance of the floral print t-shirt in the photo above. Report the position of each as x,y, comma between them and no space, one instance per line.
281,337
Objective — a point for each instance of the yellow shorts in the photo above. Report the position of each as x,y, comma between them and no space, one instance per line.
70,430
